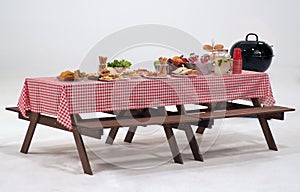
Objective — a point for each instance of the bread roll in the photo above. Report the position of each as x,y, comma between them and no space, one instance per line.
218,46
207,47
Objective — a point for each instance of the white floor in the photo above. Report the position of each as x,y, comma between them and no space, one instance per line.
236,155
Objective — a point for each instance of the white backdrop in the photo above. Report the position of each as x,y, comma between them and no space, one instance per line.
39,38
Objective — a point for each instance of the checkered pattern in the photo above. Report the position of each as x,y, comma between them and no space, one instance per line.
53,97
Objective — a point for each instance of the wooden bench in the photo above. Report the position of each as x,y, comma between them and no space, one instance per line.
181,119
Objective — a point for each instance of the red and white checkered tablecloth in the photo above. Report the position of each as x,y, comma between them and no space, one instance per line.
50,96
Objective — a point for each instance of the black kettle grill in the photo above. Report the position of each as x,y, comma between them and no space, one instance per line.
256,55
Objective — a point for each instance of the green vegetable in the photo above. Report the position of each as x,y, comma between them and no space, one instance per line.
156,63
122,63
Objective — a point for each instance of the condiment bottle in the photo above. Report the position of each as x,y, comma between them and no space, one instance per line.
237,61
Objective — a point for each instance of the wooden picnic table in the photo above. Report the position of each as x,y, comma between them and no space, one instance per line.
142,102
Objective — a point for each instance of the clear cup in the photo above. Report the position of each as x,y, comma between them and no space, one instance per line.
162,69
101,66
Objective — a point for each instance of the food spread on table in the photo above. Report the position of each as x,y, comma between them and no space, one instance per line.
215,61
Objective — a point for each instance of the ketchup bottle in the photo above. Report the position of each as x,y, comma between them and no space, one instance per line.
237,61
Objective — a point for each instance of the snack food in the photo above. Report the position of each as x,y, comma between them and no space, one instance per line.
186,72
182,71
67,75
109,73
178,70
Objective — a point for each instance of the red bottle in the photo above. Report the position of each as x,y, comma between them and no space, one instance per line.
237,61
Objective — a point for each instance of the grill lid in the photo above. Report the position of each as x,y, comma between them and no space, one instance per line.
253,48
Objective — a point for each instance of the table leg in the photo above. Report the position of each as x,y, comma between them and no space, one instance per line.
130,133
112,135
171,138
81,148
265,127
34,117
173,144
190,136
200,130
193,143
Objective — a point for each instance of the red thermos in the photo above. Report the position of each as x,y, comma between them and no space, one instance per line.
237,61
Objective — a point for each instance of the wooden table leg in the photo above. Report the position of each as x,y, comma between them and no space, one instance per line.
34,117
193,143
112,135
265,127
81,148
200,130
130,133
190,136
171,138
173,144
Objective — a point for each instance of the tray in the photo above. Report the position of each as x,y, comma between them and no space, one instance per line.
113,80
155,77
69,80
184,76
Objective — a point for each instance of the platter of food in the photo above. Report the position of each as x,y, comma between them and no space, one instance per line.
185,72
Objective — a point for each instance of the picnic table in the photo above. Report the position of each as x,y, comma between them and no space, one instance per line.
141,102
